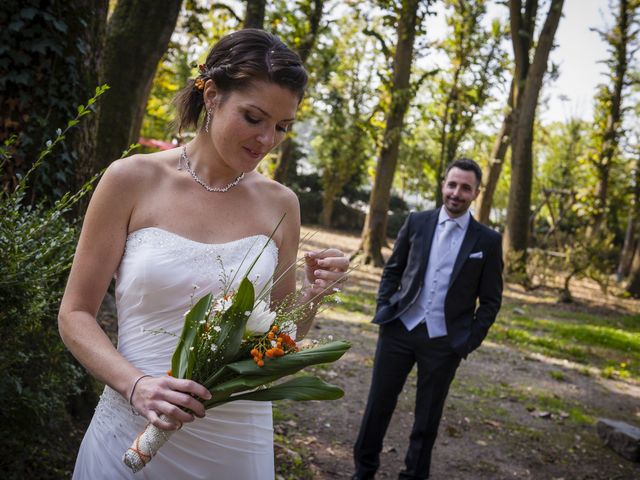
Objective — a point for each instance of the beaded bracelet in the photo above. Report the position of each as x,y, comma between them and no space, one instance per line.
133,389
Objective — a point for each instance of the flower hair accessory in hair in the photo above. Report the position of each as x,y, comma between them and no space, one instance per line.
199,82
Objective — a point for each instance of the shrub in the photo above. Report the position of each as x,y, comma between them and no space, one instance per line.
39,377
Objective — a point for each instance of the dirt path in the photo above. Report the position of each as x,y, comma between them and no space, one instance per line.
510,414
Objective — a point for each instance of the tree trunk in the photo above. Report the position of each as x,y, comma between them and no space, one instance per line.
84,139
492,171
328,199
518,211
286,162
618,39
634,280
374,231
254,18
631,237
138,34
628,248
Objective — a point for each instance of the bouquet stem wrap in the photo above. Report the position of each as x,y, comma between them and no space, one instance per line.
145,446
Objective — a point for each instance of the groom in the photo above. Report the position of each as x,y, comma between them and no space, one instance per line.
440,292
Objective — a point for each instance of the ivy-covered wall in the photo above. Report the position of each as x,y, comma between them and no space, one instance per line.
49,52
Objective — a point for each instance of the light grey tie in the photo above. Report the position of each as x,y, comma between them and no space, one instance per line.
445,238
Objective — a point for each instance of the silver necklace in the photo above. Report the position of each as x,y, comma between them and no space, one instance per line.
187,163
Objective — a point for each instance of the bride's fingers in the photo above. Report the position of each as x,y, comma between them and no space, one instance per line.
185,401
330,277
188,386
175,413
163,422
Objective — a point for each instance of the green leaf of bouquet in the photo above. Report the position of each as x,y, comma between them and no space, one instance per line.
293,362
238,384
298,389
184,356
234,320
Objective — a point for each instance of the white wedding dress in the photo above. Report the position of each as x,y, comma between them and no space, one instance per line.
157,277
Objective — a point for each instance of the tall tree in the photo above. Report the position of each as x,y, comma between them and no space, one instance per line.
477,63
528,75
344,108
609,110
254,16
493,169
374,231
138,34
304,38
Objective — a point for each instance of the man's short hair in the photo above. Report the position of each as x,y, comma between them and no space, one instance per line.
467,164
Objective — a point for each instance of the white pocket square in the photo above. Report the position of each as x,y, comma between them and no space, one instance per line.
476,255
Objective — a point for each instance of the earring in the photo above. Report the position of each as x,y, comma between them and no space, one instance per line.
206,125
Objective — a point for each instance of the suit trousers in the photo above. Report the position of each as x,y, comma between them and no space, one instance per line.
396,353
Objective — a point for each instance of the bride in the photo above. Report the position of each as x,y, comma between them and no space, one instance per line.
164,224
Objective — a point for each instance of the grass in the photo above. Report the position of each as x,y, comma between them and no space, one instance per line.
489,395
357,301
609,342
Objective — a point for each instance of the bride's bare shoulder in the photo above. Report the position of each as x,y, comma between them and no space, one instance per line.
137,172
275,191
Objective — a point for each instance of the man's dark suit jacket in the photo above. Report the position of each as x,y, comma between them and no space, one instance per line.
475,276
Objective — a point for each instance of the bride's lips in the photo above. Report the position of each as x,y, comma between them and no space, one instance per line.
254,153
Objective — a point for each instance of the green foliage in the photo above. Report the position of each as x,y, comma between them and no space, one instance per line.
40,84
198,28
344,110
452,97
610,342
563,195
39,376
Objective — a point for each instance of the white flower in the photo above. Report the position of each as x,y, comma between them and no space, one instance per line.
214,347
223,304
217,328
260,319
330,337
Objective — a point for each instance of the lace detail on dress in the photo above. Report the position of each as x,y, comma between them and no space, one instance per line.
112,410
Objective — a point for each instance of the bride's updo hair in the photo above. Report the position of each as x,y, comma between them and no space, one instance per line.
236,61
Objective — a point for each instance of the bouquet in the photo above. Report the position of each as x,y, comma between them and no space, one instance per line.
236,346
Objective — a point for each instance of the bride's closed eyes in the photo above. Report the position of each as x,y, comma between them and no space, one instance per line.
254,121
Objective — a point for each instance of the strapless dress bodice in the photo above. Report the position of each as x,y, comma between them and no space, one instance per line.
162,274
